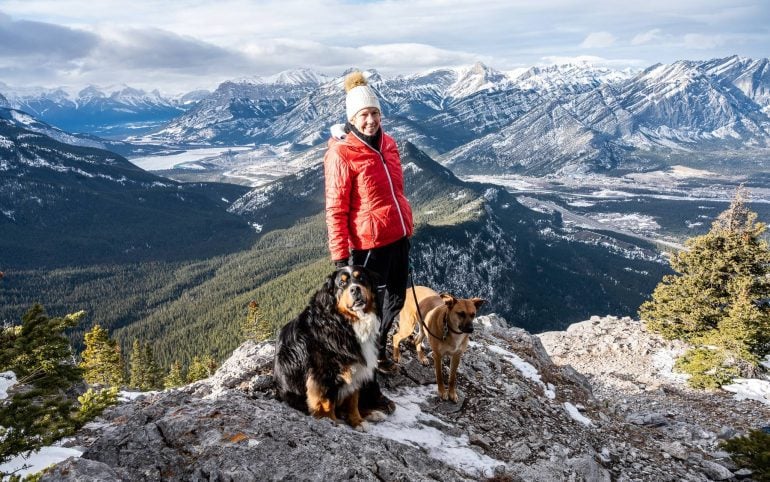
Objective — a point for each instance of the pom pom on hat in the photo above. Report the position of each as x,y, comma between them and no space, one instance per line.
354,79
359,94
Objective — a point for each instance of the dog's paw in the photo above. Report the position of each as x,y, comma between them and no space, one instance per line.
424,360
376,416
443,395
453,396
362,427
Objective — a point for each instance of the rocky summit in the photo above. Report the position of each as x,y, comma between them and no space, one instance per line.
526,412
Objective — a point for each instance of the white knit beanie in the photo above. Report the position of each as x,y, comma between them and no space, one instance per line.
360,95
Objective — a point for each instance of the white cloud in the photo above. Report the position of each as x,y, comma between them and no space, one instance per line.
417,56
598,40
193,43
647,37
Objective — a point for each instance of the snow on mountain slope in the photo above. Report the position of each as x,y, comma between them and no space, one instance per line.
565,118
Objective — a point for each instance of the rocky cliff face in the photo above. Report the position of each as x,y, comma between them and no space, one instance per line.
520,417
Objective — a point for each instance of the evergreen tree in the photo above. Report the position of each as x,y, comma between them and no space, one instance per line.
751,451
174,377
153,373
102,363
210,364
717,301
197,370
40,412
254,326
138,367
745,331
93,403
145,372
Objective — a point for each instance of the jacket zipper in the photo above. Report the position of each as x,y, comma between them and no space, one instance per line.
390,181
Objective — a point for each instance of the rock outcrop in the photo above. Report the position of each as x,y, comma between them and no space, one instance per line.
630,372
520,417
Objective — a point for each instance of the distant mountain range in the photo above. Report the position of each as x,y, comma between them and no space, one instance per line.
476,120
113,113
560,119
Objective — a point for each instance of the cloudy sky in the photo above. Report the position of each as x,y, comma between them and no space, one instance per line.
181,45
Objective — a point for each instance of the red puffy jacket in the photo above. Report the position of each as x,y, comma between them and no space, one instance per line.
365,203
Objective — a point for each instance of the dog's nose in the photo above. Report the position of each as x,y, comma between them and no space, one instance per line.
355,292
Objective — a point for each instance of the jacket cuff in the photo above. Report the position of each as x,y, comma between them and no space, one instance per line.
340,263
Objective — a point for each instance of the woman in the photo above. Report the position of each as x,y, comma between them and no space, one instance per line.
368,217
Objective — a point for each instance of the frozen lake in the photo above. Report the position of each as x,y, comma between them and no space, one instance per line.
162,162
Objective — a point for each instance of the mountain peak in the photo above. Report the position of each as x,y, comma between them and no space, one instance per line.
570,77
475,78
298,77
91,92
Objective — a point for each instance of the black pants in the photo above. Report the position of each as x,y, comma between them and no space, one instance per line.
391,264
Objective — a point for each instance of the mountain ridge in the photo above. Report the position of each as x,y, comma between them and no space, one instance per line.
604,120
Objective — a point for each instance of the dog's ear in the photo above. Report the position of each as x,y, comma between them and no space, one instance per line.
326,295
329,283
478,302
449,300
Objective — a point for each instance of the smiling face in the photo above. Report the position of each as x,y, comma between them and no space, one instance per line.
367,121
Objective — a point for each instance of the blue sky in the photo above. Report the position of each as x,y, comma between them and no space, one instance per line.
180,45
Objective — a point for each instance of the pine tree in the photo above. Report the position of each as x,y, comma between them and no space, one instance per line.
751,451
254,326
210,364
102,363
174,377
145,372
717,301
153,373
197,370
745,331
93,403
40,412
138,367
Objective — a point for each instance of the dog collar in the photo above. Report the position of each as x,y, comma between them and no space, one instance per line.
447,328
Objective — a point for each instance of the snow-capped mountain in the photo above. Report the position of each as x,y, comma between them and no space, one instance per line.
686,109
240,112
297,77
752,77
566,118
567,79
113,112
475,119
23,120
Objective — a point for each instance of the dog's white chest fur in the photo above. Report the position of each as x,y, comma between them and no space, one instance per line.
366,328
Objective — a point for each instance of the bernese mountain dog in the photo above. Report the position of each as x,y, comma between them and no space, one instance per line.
325,354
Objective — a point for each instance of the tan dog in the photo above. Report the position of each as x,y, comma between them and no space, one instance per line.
449,321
